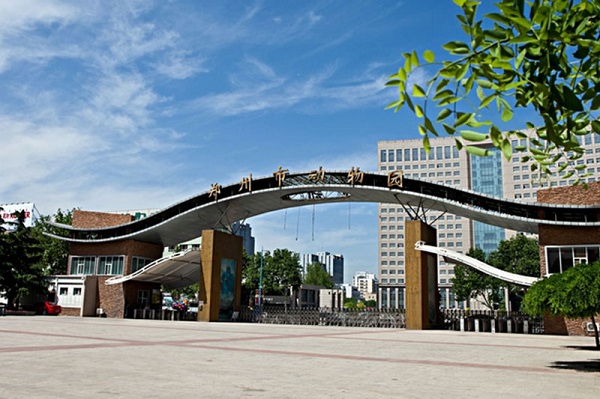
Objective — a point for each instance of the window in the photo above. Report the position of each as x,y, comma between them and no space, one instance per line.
407,154
63,291
391,155
77,291
559,259
398,155
383,157
83,265
110,265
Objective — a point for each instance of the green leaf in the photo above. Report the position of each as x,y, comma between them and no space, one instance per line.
426,144
444,113
429,56
478,151
463,118
470,135
507,114
442,94
506,148
418,111
449,129
394,104
414,59
498,18
572,102
456,47
392,83
596,126
418,91
429,126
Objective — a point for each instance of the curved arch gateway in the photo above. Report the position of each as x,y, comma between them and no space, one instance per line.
222,206
208,213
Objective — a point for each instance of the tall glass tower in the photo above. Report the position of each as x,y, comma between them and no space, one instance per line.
486,178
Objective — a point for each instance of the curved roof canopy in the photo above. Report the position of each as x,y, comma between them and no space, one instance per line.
175,271
222,206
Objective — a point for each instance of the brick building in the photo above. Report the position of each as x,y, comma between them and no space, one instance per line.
562,247
84,292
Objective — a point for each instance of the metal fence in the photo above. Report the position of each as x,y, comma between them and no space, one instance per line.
382,318
453,319
492,321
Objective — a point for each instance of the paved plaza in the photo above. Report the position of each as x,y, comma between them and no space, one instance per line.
69,357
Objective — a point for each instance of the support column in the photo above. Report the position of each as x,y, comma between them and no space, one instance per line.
220,287
422,296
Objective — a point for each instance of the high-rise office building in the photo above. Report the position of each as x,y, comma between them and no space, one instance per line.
493,175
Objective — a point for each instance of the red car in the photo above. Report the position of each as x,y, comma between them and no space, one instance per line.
47,308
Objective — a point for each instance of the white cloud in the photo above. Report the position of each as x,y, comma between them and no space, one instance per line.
178,66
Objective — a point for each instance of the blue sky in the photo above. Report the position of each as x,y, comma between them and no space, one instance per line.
113,105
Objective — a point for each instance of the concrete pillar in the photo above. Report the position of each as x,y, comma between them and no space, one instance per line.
220,287
422,296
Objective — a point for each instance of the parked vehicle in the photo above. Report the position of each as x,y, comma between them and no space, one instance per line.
47,308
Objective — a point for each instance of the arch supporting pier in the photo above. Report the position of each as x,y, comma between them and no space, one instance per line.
422,294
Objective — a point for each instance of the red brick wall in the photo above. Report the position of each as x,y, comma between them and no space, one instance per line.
563,235
93,220
110,298
572,195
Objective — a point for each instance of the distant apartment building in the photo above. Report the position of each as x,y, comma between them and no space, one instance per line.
331,263
492,175
365,283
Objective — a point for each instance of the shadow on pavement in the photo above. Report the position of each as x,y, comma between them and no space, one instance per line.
583,348
589,366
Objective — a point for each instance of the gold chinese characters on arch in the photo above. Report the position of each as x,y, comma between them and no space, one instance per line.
280,175
355,175
317,175
246,183
215,190
395,178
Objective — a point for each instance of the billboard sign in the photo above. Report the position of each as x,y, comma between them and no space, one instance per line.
9,214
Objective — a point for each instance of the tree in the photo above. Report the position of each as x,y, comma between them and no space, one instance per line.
469,283
541,55
21,270
281,271
55,254
317,275
575,293
520,255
